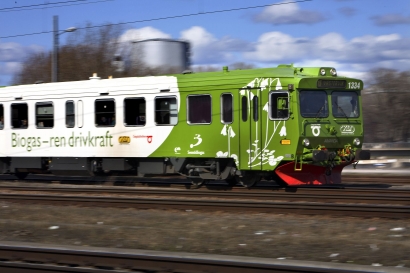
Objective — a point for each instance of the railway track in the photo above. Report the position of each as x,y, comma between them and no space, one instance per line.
18,257
374,179
389,206
340,195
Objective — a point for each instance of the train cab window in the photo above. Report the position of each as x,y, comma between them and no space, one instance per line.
1,117
344,104
69,114
166,111
279,105
19,115
105,113
226,108
199,109
134,112
44,115
313,104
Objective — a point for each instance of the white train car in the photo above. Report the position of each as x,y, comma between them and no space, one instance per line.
63,127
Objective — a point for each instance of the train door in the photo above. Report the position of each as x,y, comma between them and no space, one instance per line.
250,129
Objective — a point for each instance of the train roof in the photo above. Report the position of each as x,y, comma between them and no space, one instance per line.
96,86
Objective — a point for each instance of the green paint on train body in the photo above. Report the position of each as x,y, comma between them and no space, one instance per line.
268,127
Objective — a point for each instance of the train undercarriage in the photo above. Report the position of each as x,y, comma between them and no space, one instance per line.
198,170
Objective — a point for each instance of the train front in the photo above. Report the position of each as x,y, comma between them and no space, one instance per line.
329,113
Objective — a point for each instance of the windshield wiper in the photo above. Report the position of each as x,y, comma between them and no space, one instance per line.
341,109
320,110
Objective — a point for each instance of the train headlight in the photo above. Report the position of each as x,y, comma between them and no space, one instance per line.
356,141
322,72
306,142
333,72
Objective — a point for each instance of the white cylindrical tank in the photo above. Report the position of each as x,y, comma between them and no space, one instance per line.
162,54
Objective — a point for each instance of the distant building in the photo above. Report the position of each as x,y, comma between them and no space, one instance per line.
162,54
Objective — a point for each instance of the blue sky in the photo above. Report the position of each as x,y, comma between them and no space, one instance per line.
354,36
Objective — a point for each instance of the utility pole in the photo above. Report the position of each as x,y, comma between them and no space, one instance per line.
54,66
56,35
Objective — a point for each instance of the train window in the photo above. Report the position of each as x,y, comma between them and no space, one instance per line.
344,104
199,109
255,108
1,117
244,108
80,114
105,113
134,112
19,115
44,115
313,104
69,114
166,111
279,105
227,108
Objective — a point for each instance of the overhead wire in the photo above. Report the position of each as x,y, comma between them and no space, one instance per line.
164,18
45,4
59,6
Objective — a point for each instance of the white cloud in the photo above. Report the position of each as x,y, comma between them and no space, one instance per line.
391,19
10,68
206,48
366,51
11,57
143,34
288,13
347,11
10,52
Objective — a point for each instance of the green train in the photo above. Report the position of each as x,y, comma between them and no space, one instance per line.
291,125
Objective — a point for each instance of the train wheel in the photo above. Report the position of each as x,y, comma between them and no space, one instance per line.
231,181
198,181
21,175
248,180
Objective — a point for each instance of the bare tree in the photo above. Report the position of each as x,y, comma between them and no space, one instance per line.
241,66
234,66
36,68
386,106
88,50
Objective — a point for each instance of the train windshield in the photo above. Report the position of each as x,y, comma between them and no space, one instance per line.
314,104
344,104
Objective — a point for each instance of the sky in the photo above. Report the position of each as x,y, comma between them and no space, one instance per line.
354,36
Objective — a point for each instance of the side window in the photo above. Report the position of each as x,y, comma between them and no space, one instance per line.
69,114
19,115
255,108
134,111
1,117
244,109
199,109
227,108
279,105
105,113
80,114
44,115
166,111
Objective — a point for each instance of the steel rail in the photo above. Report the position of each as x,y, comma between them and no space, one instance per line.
360,210
347,178
40,258
366,196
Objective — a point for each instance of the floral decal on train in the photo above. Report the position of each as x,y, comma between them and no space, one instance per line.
257,155
227,131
